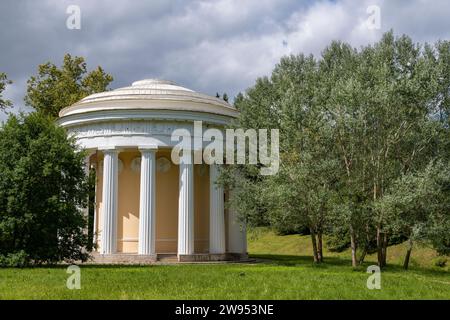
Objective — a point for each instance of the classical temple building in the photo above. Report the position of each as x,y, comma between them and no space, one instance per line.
147,207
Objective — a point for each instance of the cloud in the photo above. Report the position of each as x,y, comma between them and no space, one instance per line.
208,46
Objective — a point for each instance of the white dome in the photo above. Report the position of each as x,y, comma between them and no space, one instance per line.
156,83
151,94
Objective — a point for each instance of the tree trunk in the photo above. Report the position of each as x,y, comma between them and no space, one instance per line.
384,251
314,245
319,246
379,247
366,246
363,256
408,254
353,247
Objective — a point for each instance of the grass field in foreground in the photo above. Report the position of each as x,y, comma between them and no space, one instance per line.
285,273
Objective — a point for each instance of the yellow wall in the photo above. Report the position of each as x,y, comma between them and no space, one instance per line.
128,206
166,205
201,208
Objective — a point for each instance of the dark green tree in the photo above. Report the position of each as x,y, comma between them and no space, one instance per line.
54,88
4,103
225,97
42,190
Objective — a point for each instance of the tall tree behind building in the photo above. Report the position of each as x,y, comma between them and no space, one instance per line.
54,88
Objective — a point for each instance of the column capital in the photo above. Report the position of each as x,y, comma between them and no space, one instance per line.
147,148
109,149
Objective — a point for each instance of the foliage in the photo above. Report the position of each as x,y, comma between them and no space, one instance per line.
16,259
53,88
418,207
352,123
419,202
225,97
440,261
42,188
283,229
4,103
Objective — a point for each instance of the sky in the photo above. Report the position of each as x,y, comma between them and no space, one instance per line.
207,46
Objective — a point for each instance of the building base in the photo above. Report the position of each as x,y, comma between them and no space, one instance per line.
123,258
137,259
210,257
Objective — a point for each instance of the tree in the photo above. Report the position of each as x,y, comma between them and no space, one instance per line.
225,97
249,196
381,103
4,103
418,207
302,192
307,175
352,123
339,99
42,190
53,88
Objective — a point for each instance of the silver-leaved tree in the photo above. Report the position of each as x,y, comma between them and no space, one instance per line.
352,123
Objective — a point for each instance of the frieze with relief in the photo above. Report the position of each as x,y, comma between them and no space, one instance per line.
126,128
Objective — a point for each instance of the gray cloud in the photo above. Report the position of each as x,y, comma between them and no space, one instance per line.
208,46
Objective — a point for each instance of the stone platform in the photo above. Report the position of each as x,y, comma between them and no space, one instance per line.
136,259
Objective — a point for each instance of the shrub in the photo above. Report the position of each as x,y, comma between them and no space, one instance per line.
440,261
42,190
16,259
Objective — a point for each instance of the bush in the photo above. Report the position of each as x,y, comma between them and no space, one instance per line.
440,262
18,259
338,240
284,230
43,187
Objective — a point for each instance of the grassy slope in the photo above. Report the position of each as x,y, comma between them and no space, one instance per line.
288,275
263,241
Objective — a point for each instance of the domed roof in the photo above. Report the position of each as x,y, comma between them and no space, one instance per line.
152,94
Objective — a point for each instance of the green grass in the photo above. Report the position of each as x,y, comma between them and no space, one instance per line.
263,241
284,271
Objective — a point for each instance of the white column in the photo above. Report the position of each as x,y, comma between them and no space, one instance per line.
147,230
109,199
216,213
237,234
186,205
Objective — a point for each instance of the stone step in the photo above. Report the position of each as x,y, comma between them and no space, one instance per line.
136,259
167,258
123,258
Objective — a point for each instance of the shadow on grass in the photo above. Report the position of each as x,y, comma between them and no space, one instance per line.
330,262
292,260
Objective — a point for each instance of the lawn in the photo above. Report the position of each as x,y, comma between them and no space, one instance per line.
283,271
